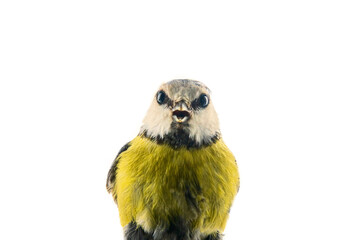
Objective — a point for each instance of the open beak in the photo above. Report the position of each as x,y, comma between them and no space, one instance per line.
181,112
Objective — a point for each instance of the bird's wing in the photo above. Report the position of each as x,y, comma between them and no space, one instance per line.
111,177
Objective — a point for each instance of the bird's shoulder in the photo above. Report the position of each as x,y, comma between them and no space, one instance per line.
111,177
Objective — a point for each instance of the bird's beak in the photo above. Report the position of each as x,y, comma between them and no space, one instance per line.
181,112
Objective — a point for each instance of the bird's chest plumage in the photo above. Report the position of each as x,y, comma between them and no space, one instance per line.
155,183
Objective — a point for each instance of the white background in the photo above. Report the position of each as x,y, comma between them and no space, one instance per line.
78,76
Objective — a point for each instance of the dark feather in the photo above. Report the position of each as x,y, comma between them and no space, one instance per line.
135,232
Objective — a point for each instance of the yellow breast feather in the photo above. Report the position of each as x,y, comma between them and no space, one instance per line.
155,182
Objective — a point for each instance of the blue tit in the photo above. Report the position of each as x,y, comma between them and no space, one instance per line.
177,179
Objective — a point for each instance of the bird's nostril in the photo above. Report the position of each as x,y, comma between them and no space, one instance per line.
181,114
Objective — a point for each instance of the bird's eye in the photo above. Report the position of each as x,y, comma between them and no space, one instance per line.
203,100
160,97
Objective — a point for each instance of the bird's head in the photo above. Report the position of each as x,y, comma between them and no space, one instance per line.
182,113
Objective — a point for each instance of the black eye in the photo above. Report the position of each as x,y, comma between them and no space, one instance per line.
160,97
203,100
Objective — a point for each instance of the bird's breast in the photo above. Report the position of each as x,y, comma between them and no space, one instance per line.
156,181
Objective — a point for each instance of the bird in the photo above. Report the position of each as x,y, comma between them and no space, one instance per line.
176,180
